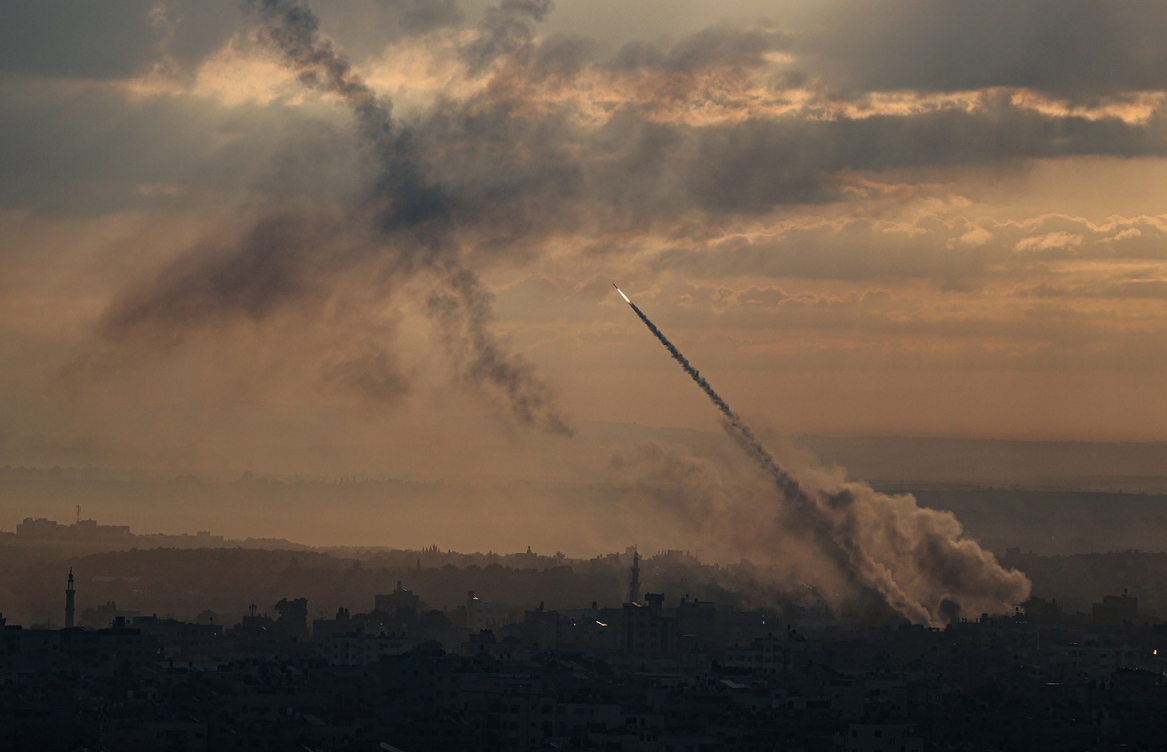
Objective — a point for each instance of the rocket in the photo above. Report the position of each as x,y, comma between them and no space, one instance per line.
626,300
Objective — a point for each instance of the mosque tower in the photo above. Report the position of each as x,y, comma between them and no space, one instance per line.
69,594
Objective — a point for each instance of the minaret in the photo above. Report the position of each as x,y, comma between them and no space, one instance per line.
634,586
69,594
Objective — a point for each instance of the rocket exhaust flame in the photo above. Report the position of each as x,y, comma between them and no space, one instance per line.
941,572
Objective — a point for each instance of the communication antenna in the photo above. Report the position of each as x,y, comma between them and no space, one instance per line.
79,513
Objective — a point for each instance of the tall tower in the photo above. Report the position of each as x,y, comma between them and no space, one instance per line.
69,594
634,586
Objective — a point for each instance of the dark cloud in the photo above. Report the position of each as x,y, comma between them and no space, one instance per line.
90,39
762,163
1074,48
563,56
717,47
96,149
510,157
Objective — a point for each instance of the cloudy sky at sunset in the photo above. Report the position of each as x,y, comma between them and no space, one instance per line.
856,217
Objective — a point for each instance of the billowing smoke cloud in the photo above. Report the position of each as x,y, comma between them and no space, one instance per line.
914,558
292,257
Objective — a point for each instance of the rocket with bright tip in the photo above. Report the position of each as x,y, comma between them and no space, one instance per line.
626,300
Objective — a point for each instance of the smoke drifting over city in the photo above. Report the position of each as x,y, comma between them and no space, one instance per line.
374,241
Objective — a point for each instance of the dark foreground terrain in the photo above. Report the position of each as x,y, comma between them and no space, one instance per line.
432,650
648,679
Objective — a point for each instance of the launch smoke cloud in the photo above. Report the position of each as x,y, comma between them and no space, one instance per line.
916,559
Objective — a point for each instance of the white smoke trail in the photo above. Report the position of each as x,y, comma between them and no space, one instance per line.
916,559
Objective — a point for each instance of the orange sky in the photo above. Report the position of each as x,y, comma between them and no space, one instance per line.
854,218
378,238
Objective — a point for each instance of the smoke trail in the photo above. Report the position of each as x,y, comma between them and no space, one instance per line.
914,558
788,485
281,263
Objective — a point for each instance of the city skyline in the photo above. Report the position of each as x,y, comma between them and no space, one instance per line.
335,281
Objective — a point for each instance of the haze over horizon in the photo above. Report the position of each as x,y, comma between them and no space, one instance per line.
380,237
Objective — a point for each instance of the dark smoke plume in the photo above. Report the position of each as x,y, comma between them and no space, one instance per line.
411,203
915,559
280,264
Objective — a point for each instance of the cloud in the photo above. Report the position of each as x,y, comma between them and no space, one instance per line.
1074,48
413,17
90,39
505,29
552,157
548,133
1049,241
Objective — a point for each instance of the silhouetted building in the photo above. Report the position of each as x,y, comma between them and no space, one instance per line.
697,617
69,602
354,649
648,633
102,616
343,623
1116,609
397,600
540,627
82,530
89,530
40,528
182,640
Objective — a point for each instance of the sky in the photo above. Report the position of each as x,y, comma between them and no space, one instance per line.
377,238
383,241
